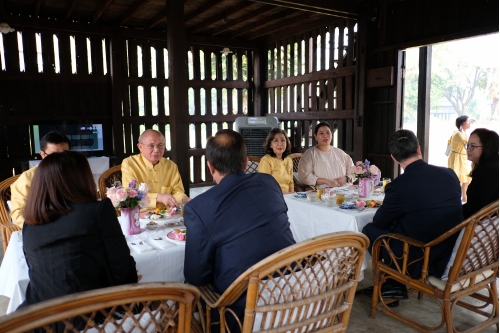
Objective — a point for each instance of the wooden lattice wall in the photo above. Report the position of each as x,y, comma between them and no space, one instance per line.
312,78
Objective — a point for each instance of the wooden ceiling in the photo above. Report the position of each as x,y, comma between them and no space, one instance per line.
246,20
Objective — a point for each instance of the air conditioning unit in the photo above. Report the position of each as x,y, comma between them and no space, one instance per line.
254,131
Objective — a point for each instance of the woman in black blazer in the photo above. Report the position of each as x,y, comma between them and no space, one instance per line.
482,151
72,242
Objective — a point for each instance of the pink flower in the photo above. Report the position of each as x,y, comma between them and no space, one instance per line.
121,194
145,201
116,203
374,170
111,192
132,193
359,170
359,163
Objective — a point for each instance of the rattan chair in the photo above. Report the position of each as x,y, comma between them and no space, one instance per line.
108,178
253,164
296,181
473,269
5,221
143,307
305,287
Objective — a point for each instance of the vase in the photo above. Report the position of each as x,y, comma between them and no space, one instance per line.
365,187
129,221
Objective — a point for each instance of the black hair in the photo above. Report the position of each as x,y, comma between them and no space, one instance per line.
270,138
403,145
460,120
321,124
54,137
489,143
227,152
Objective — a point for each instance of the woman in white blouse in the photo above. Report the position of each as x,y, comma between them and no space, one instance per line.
324,164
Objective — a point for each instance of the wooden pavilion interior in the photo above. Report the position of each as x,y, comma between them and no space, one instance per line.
136,64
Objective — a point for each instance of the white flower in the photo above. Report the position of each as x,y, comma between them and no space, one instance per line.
144,187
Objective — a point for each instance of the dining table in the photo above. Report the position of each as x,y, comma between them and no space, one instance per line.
163,259
157,257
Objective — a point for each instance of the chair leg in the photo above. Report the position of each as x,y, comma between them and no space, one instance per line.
376,287
448,316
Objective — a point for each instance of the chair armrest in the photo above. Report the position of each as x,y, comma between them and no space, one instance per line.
209,296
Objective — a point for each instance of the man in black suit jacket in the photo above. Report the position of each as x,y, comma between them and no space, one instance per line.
235,224
422,203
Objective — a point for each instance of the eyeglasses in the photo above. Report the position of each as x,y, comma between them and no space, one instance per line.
470,147
160,146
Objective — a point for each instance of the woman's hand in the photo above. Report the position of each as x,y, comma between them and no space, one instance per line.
328,182
341,180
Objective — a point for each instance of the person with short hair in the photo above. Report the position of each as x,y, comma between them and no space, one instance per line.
457,160
235,224
276,161
324,164
423,203
159,173
51,142
71,241
482,151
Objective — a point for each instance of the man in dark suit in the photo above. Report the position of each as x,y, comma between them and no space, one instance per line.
422,203
235,224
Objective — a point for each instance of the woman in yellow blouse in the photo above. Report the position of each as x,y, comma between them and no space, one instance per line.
457,160
276,163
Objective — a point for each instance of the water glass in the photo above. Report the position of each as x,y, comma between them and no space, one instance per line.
340,198
385,181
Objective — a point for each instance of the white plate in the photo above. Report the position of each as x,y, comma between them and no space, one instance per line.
161,219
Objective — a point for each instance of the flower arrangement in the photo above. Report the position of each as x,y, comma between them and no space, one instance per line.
128,197
364,170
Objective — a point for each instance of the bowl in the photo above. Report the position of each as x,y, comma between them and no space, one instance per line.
152,225
347,206
312,196
330,200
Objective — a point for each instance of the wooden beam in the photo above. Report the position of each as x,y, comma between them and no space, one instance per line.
100,10
335,8
70,9
314,115
162,15
213,119
37,7
281,25
221,42
131,11
220,17
201,9
309,77
242,19
52,77
264,21
177,64
207,84
299,29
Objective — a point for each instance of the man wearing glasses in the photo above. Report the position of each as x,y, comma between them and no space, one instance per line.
52,142
150,167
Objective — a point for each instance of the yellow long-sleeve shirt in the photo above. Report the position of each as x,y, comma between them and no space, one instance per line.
18,194
281,170
163,177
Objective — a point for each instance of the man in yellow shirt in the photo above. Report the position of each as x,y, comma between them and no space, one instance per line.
52,142
150,167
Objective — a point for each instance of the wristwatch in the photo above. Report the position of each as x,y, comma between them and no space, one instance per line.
346,179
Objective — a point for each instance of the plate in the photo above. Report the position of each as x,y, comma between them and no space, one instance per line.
300,195
171,236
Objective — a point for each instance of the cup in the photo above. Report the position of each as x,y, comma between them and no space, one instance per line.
329,200
320,192
340,198
385,181
312,196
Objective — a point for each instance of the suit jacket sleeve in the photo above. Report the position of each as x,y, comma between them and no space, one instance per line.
391,209
121,264
200,250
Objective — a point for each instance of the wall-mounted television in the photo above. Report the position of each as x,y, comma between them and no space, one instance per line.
83,137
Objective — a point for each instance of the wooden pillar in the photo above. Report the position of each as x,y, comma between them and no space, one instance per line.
359,150
177,81
116,95
259,77
424,99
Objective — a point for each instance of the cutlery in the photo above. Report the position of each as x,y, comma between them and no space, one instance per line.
159,238
362,209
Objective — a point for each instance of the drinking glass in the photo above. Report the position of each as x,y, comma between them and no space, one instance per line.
385,181
320,192
340,198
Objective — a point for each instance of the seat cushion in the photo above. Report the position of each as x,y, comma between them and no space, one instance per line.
441,284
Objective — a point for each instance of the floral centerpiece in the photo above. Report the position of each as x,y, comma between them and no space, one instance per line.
129,200
368,175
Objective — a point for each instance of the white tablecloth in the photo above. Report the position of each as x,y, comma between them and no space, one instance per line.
97,164
159,265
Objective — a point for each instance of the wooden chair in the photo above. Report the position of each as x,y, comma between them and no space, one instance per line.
108,178
5,221
296,181
474,268
253,164
147,307
305,287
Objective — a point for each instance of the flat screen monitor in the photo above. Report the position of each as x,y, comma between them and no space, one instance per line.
83,137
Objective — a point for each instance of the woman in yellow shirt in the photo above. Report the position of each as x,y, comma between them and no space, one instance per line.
276,163
457,160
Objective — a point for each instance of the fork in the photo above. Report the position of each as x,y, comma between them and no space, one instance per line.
362,209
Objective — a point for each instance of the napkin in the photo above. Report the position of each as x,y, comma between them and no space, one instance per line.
140,246
161,242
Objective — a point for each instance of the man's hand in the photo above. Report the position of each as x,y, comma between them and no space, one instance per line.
167,199
186,199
